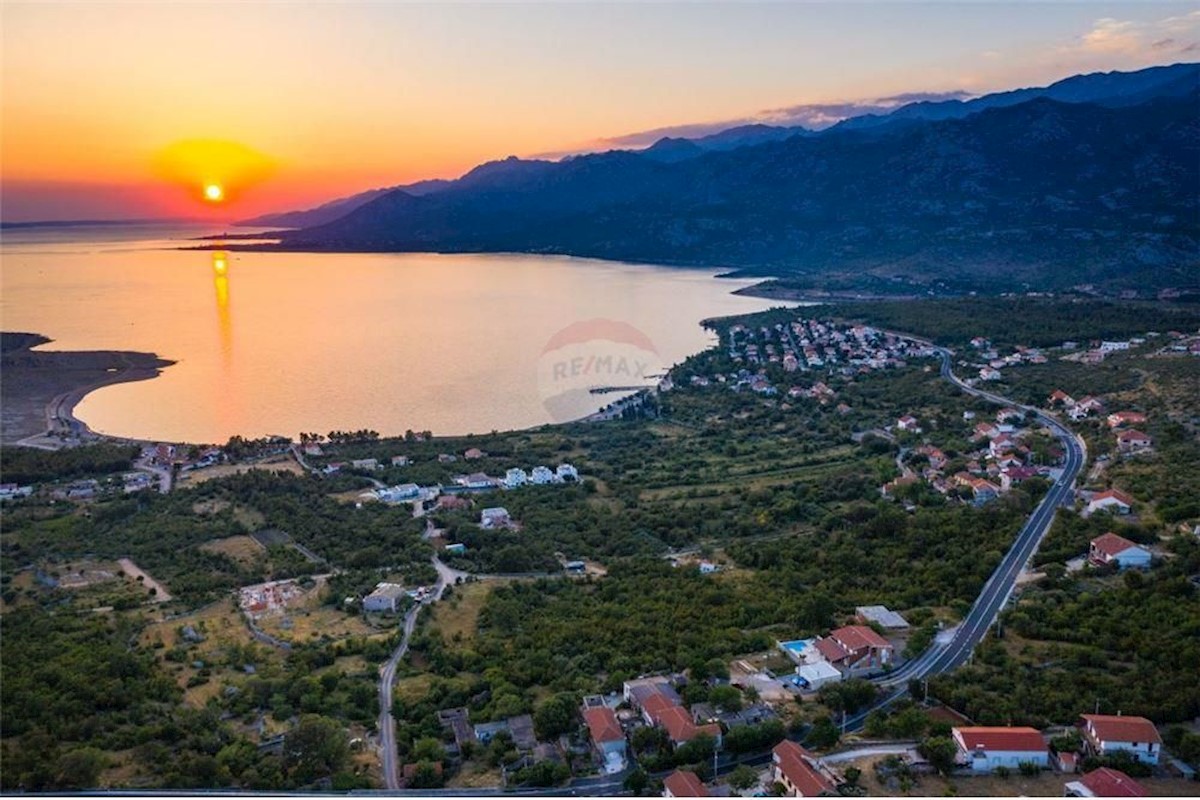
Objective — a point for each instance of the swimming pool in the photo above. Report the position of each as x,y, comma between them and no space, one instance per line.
795,648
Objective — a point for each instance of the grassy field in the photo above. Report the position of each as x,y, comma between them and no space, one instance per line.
222,626
242,549
282,463
455,618
307,620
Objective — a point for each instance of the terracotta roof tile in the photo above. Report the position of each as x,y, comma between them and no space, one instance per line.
1106,782
602,723
1005,739
1123,729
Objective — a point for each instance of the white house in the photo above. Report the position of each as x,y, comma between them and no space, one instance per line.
1113,549
607,737
10,491
476,481
365,463
385,598
399,494
1114,501
497,517
985,749
818,674
566,472
1105,734
541,476
515,478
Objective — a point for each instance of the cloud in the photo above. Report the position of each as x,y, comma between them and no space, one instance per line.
925,97
1133,39
1110,35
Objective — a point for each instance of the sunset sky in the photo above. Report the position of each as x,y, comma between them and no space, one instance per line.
130,110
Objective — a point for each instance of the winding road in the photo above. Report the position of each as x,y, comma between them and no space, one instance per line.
447,576
945,655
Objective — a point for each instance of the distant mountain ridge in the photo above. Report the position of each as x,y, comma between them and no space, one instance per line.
1035,191
1104,88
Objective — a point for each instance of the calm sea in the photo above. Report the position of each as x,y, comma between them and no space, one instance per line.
273,343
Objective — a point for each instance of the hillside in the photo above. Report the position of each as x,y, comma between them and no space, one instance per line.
1042,193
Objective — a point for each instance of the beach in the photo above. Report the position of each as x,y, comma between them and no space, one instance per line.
39,389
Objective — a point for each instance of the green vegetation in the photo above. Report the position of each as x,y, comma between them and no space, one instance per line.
1022,320
23,465
1126,643
782,493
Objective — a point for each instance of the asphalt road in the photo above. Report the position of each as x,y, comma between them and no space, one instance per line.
943,657
387,677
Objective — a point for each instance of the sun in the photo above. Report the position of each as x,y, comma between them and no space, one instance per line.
213,193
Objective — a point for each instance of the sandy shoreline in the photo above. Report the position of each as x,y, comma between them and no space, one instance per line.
39,389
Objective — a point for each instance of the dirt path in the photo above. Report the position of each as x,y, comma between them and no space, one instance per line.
133,570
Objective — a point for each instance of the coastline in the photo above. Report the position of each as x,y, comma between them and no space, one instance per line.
41,388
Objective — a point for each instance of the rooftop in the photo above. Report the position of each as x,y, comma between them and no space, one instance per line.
1005,739
1110,728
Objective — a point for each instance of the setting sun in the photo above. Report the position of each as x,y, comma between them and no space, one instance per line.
213,193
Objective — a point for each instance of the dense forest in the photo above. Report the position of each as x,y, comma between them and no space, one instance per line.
1022,320
1125,643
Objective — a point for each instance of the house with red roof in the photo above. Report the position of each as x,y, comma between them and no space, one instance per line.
680,728
1133,441
1060,398
1105,734
1002,444
607,737
908,423
1120,419
986,430
856,648
1014,476
1113,549
1105,782
1112,500
795,769
984,749
682,783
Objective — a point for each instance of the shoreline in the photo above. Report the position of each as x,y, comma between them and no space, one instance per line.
41,389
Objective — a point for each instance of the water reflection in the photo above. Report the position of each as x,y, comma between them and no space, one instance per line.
220,265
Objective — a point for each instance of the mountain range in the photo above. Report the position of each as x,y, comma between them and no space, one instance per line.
1094,179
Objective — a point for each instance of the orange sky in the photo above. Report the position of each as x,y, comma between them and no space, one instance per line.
335,98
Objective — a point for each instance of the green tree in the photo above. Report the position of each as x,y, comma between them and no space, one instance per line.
637,781
315,748
80,768
556,716
940,752
743,777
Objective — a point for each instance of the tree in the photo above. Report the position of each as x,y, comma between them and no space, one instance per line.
556,716
315,748
940,752
726,697
637,781
80,769
848,696
743,777
428,749
426,775
824,733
